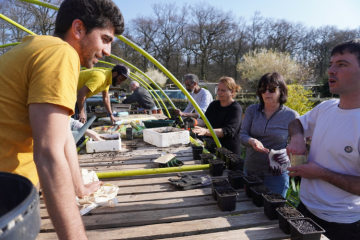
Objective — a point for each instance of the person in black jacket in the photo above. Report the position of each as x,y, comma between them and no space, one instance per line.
225,116
141,96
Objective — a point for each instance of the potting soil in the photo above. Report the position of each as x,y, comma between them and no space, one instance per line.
207,155
226,192
261,189
220,182
236,173
255,173
304,226
274,197
253,179
216,161
289,212
223,150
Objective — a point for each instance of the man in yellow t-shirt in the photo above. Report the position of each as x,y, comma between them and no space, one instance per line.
38,80
92,82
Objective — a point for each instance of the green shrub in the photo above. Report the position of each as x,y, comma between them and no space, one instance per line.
298,99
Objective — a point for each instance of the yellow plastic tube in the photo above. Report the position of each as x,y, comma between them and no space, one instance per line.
16,24
141,172
9,45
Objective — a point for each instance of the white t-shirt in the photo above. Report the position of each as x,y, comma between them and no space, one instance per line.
335,146
202,98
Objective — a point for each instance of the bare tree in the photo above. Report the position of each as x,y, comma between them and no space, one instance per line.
256,30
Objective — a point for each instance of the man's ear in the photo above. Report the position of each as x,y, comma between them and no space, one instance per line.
78,30
114,74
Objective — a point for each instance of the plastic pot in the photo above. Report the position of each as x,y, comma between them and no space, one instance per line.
210,144
257,197
197,150
236,179
260,174
218,183
129,133
159,111
270,205
236,164
226,198
216,167
21,202
206,157
296,233
251,183
283,221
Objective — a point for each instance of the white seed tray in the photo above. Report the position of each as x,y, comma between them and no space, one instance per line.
166,136
105,146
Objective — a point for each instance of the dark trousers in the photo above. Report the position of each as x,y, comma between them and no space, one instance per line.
334,231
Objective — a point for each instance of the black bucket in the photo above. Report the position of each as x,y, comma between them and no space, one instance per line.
19,206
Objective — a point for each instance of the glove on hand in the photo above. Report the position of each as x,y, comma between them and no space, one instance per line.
190,122
276,159
187,182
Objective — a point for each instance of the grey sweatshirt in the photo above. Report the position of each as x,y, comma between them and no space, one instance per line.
272,133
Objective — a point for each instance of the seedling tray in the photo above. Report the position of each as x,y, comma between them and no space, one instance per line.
251,183
298,234
283,221
271,205
257,197
236,179
226,198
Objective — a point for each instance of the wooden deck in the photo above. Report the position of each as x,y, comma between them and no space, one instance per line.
149,208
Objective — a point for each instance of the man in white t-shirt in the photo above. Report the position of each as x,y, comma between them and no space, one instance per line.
330,186
201,96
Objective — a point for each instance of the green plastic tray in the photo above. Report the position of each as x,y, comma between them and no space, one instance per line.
157,123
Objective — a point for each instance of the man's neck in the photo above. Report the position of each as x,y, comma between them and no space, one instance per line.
197,89
349,102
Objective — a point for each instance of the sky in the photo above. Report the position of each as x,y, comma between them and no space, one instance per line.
313,13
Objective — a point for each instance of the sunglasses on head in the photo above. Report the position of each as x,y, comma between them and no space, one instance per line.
271,89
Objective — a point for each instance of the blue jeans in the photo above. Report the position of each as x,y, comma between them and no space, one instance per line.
277,184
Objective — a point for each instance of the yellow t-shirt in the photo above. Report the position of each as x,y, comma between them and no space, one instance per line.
97,80
42,69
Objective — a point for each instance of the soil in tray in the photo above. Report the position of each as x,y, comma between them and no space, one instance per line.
207,155
253,179
216,161
275,197
304,226
289,212
255,173
236,173
223,150
220,183
226,192
261,189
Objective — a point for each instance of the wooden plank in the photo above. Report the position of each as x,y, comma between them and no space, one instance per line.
176,229
156,205
155,217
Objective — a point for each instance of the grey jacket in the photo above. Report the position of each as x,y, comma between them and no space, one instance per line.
142,97
272,133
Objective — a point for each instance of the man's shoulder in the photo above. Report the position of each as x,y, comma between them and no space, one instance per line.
39,43
94,73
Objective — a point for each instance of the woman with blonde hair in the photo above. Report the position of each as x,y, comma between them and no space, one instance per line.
225,116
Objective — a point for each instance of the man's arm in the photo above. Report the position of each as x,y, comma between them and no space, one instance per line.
107,104
314,171
131,99
53,168
297,144
81,97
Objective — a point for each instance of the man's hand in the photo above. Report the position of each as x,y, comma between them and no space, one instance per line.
308,171
82,117
90,189
112,119
178,112
258,146
200,131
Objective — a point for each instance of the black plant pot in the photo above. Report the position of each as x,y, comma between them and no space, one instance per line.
226,199
206,157
283,221
197,150
236,179
257,173
296,233
251,183
257,197
129,133
218,183
236,164
216,167
210,144
271,205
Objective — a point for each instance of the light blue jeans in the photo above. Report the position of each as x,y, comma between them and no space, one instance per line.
277,184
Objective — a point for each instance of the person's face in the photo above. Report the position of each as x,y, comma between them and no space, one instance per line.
95,45
133,87
224,93
344,74
270,93
118,79
190,87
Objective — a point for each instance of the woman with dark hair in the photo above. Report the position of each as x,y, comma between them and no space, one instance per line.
265,128
225,116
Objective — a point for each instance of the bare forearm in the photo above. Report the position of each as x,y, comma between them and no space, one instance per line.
296,128
80,102
193,115
342,181
59,195
218,131
107,104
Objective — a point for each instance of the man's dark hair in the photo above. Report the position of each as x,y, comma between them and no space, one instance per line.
352,46
273,79
193,78
93,13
